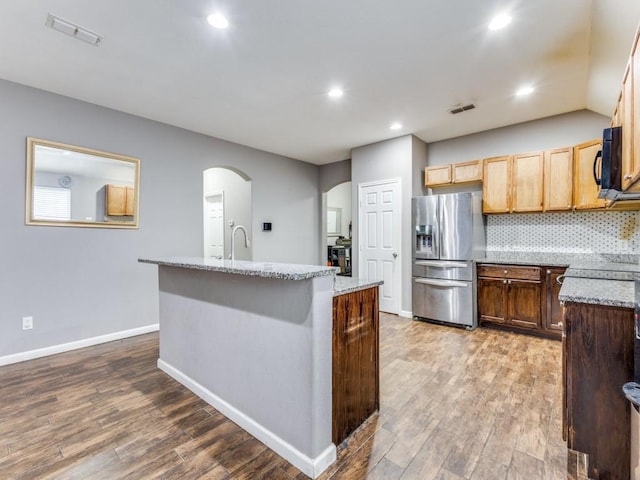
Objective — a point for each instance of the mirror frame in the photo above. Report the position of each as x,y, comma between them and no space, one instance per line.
29,220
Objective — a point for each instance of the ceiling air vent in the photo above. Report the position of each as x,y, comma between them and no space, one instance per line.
461,109
73,30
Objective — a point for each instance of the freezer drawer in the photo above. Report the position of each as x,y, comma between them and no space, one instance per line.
444,269
450,301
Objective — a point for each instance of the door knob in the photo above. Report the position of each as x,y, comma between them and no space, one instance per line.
395,254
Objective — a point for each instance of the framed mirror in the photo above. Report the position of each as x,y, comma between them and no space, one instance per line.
69,185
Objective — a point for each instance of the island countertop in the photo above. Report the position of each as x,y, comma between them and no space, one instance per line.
343,285
282,271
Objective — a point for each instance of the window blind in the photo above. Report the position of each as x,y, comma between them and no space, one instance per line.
51,203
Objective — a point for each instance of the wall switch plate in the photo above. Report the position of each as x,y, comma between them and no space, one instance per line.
27,323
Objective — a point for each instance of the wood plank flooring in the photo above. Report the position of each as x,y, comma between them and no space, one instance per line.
482,405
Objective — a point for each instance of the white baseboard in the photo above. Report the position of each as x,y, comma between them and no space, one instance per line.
311,467
405,314
67,347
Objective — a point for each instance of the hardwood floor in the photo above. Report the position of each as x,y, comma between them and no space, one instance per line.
454,405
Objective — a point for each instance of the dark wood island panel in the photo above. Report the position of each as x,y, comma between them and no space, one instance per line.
356,386
598,360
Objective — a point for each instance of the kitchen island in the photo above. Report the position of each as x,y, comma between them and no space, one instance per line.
597,361
255,341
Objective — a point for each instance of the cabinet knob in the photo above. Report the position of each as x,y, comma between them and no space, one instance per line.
548,272
504,281
509,282
627,177
505,272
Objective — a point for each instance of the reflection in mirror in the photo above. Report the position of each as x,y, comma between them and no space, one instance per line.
334,221
75,186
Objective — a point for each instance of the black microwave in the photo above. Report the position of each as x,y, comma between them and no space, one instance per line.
610,180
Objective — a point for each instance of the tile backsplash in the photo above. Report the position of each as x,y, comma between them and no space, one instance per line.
579,232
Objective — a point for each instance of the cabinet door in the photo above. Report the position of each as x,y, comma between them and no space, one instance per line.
585,190
467,172
524,299
553,310
599,359
635,105
355,360
116,200
558,179
492,305
440,175
496,185
628,170
527,181
130,201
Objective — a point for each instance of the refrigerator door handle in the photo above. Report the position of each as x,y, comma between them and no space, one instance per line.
439,264
442,283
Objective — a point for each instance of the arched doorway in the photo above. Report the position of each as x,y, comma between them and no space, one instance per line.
337,227
226,204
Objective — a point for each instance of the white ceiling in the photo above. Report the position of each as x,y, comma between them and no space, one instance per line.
263,81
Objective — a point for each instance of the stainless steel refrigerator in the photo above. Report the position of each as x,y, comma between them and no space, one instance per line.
448,234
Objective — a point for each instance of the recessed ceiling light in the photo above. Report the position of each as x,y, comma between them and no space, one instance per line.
499,21
218,20
335,92
395,126
525,91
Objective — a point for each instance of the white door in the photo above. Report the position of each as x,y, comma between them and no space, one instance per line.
379,239
214,225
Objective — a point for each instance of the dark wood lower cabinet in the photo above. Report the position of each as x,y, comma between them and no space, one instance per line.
356,387
553,320
520,298
598,360
523,300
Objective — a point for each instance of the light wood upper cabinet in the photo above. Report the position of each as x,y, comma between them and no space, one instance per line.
585,190
625,113
438,175
527,181
120,200
635,108
467,172
496,185
558,179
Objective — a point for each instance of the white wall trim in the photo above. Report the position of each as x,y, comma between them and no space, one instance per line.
405,314
311,467
67,347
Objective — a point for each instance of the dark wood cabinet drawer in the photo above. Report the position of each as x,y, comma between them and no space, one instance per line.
510,271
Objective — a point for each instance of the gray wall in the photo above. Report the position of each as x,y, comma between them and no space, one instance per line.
79,283
333,174
401,157
552,132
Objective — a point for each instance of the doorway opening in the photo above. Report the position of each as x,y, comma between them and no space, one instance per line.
226,204
337,228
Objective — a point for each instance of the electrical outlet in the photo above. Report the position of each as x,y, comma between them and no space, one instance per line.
27,323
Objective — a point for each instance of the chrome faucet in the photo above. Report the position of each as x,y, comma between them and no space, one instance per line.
247,243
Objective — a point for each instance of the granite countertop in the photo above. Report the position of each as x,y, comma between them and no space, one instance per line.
282,271
598,291
559,259
605,279
343,285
